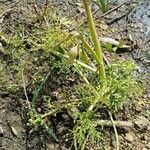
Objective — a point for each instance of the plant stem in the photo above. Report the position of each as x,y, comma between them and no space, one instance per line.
95,40
87,46
76,61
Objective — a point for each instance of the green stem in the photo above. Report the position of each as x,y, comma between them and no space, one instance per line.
95,39
87,46
76,61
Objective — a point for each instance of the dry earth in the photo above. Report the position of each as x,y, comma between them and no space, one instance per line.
133,26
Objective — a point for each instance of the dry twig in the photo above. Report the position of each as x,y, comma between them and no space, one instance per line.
115,130
25,91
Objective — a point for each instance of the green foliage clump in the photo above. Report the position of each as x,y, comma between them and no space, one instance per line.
53,38
85,130
122,84
120,87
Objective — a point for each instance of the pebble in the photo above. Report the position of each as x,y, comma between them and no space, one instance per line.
2,48
148,13
148,128
146,138
144,142
129,137
145,96
107,147
114,143
1,132
142,122
130,145
1,136
104,26
138,108
144,149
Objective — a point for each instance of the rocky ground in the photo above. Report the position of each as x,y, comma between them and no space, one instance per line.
130,22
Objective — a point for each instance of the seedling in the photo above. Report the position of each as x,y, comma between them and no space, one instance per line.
103,4
101,86
110,86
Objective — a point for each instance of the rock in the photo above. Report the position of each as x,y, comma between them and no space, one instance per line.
1,132
148,13
81,10
129,145
114,143
148,128
145,96
104,26
144,142
144,149
142,122
129,137
138,108
107,147
2,48
146,138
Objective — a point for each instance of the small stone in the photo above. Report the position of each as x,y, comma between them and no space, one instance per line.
81,10
129,145
104,26
146,138
144,142
1,132
138,109
142,122
107,147
2,48
144,149
148,13
129,137
145,96
148,128
114,143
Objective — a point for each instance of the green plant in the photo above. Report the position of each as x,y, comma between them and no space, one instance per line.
114,86
95,40
119,89
85,130
103,4
36,119
100,86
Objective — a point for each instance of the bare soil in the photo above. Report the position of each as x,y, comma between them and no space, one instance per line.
132,27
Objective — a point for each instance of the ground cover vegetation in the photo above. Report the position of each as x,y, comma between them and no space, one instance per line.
75,58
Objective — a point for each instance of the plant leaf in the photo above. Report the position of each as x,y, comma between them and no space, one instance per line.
72,55
51,133
84,57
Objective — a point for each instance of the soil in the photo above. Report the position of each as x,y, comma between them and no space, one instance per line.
132,27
